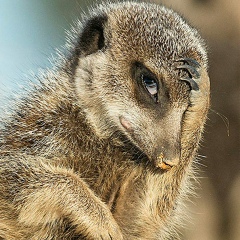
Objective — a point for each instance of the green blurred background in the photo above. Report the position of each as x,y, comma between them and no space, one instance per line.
30,30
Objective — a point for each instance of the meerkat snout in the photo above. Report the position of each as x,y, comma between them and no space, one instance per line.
164,154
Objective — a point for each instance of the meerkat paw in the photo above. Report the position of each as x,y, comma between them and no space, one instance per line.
103,227
196,77
111,232
192,67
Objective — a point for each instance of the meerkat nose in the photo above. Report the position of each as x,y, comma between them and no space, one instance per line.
164,163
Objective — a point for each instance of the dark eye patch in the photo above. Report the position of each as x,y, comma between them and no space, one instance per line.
147,80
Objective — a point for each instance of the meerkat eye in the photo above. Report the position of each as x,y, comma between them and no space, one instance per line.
151,86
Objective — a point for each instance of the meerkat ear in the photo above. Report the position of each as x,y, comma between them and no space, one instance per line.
92,38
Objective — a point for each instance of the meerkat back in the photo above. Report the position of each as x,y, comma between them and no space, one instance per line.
103,146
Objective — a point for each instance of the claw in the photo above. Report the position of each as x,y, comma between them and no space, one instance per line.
193,84
191,66
189,61
192,70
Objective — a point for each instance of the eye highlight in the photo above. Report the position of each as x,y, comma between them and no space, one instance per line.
151,86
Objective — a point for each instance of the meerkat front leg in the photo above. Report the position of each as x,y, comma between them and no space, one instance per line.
43,196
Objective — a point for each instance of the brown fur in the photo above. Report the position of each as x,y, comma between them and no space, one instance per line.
80,152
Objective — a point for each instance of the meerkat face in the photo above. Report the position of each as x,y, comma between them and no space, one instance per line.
132,58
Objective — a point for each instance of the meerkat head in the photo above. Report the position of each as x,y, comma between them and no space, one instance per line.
131,58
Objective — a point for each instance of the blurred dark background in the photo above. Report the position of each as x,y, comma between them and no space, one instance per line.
30,30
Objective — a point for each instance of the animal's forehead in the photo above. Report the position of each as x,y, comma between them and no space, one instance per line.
153,30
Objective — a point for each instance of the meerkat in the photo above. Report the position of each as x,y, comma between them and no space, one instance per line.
103,146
